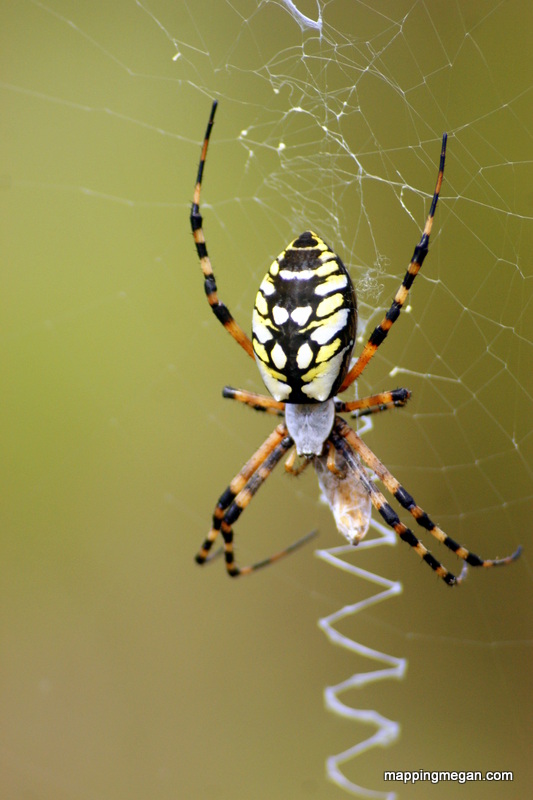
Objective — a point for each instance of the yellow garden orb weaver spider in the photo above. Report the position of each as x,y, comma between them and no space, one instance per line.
303,333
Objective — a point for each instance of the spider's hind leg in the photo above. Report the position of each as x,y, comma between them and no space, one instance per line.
221,311
380,333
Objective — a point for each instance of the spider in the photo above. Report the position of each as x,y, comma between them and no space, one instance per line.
303,333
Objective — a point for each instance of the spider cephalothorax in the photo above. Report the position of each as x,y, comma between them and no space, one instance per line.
303,333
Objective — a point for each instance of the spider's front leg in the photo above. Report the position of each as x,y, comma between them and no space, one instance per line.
236,486
237,497
406,501
344,445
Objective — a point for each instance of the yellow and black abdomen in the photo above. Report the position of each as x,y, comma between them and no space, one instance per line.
304,322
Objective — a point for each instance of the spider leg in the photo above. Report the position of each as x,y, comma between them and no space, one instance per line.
259,402
420,516
237,484
241,502
237,497
380,332
339,440
373,404
221,312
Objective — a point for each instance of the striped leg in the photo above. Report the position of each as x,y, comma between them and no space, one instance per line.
237,484
221,312
385,510
237,497
421,250
374,404
420,516
259,402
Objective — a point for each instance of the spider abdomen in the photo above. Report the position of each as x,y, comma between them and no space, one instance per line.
304,322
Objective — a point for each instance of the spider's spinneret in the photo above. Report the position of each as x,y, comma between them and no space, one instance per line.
304,322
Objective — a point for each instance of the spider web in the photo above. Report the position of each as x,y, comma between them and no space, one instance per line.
128,672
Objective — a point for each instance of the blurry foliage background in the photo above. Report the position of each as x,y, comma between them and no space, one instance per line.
126,670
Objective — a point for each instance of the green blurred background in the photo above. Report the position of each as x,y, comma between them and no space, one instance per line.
126,671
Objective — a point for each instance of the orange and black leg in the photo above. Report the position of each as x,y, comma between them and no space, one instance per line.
239,494
406,501
380,332
237,485
374,403
358,408
339,439
221,312
259,402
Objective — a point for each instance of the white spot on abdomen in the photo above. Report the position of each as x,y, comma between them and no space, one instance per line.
280,315
304,356
301,314
278,356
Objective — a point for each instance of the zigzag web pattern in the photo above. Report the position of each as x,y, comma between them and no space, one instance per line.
387,730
